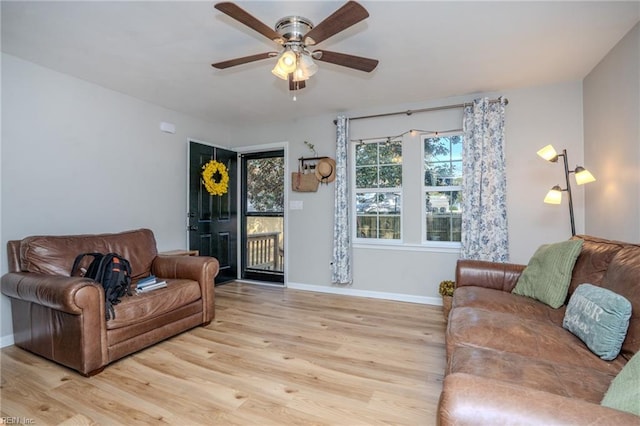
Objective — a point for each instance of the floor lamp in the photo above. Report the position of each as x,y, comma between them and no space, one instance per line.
582,176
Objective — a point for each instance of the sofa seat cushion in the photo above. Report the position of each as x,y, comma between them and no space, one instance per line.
505,332
502,301
144,306
570,381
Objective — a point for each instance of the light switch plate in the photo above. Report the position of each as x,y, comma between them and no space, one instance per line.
296,205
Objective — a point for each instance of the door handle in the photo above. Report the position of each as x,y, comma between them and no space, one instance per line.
192,228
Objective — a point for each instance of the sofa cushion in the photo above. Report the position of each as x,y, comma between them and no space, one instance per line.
144,306
512,333
624,392
560,379
54,255
600,318
548,274
623,278
593,261
502,301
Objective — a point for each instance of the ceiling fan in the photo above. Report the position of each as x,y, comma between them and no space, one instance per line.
296,34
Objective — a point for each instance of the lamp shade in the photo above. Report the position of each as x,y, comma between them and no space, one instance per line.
583,176
554,196
548,153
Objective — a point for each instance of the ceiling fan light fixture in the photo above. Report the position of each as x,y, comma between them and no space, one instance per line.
286,64
299,75
307,65
295,63
305,69
278,72
288,61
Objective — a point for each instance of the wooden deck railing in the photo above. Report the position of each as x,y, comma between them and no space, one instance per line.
264,252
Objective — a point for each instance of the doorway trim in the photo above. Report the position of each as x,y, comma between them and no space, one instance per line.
284,146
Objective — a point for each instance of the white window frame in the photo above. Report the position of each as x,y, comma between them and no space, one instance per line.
355,190
456,245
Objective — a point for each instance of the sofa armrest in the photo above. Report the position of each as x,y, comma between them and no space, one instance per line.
202,269
60,293
472,400
498,276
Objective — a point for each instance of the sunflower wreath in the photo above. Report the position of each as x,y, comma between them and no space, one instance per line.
217,169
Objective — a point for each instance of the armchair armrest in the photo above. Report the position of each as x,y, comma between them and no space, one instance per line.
472,400
60,318
66,294
498,276
202,269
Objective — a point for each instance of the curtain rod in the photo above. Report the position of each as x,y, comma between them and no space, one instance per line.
413,111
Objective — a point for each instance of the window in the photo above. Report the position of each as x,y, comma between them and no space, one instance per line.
378,193
443,187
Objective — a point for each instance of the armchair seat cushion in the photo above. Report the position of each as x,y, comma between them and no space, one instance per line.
144,306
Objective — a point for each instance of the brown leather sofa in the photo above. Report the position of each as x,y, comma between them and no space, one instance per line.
509,361
62,318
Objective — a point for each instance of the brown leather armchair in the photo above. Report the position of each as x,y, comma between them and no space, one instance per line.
62,318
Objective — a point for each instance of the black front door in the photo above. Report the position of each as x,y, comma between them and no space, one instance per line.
213,218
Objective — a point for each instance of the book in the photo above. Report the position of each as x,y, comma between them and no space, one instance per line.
152,286
151,279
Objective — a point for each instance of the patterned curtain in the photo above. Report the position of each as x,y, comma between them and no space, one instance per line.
484,183
341,265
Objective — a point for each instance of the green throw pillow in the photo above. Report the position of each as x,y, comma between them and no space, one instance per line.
624,393
548,274
600,318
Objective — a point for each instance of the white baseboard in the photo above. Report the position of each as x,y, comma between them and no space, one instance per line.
6,341
349,291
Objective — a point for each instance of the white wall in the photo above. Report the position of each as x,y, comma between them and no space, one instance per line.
535,117
59,136
78,158
612,141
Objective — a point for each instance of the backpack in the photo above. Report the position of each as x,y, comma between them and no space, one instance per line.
113,272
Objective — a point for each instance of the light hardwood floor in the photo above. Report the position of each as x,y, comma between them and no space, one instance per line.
271,356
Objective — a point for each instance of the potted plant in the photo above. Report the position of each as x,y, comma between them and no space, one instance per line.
446,290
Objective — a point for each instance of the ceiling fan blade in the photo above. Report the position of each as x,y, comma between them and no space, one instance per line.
350,61
240,15
349,14
244,60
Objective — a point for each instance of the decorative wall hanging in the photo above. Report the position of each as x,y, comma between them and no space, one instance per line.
326,170
215,178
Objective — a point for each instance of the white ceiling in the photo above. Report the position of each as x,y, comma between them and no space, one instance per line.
161,51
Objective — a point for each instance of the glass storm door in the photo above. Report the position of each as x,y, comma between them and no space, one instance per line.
263,216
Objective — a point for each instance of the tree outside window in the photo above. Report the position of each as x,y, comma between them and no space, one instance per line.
443,187
378,179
